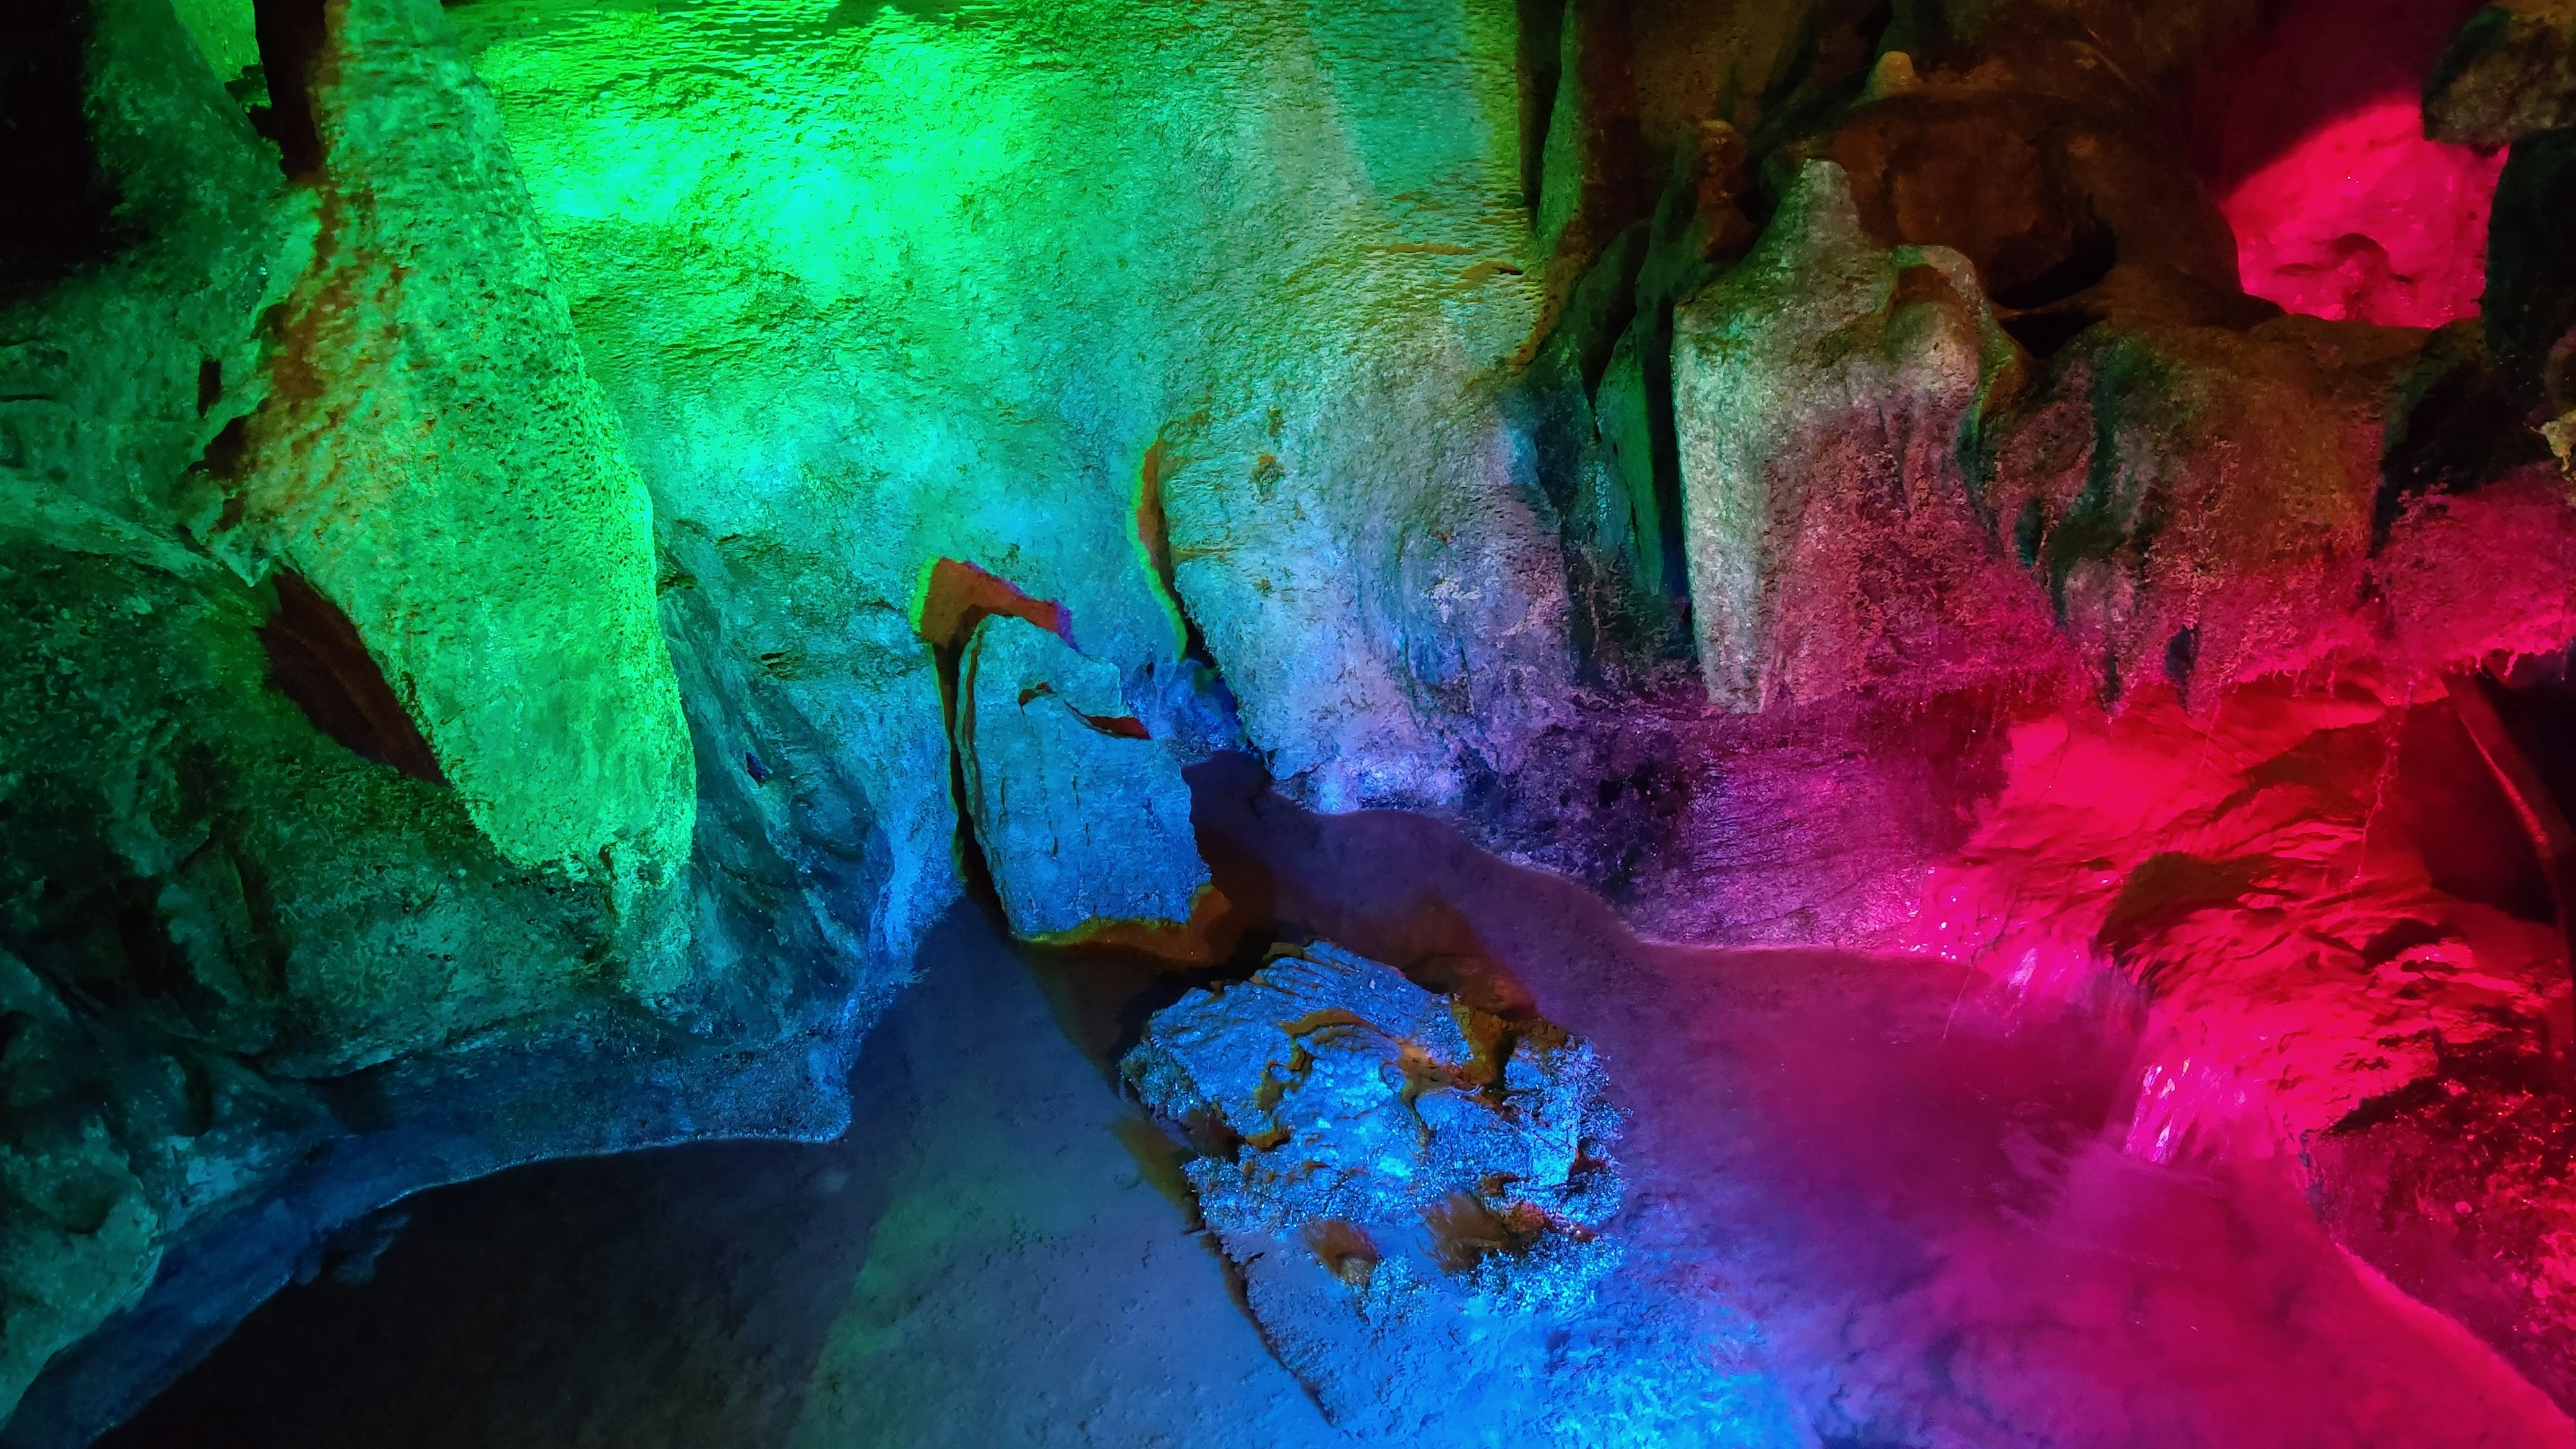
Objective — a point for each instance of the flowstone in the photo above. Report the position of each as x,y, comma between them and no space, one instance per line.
1414,1190
1822,391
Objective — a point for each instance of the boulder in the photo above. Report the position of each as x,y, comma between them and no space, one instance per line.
1083,817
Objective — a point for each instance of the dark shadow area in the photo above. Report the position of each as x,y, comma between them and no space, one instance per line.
60,201
319,662
2464,431
964,1267
2446,798
292,34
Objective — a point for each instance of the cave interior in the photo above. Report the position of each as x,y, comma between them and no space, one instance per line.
1600,724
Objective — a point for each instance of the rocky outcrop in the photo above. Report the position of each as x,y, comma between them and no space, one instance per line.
2198,501
1269,362
1412,1189
2320,906
397,789
2510,72
1897,488
433,457
347,821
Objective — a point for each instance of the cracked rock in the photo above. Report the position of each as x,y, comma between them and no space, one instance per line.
1083,817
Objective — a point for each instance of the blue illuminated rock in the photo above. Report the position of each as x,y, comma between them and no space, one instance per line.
1083,818
1414,1190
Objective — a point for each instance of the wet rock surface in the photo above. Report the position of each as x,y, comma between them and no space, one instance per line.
1858,1209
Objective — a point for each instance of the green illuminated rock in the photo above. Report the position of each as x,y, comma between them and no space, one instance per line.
2509,73
435,459
877,285
457,588
338,736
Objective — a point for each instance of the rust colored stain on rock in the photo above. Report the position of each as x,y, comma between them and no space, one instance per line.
319,662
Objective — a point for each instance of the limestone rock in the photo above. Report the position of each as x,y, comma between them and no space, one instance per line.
844,371
1887,495
220,901
2510,71
466,691
1083,819
2197,501
2041,194
1413,1189
433,411
1828,394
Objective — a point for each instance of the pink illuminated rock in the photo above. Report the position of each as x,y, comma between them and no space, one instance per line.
2316,902
2365,220
2314,141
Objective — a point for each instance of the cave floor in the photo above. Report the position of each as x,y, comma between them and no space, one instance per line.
980,1260
1911,1210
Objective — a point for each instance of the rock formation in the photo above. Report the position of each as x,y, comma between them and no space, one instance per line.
1082,816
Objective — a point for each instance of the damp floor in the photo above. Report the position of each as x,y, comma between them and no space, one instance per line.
1912,1210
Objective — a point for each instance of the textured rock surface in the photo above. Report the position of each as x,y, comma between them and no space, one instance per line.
1412,1189
1889,494
1828,394
2510,71
1082,818
2531,310
2346,204
2197,501
385,772
433,457
348,819
979,296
